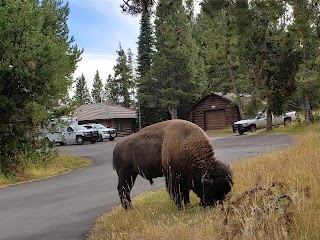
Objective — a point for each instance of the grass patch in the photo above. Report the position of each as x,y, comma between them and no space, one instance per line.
212,133
296,128
275,196
59,165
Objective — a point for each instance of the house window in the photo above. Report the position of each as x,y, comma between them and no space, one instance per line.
119,126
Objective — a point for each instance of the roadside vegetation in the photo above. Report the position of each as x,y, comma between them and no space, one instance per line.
275,196
59,165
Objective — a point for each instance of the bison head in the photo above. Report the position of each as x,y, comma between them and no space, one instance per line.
215,184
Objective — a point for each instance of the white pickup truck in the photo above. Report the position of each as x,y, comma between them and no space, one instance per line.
67,131
260,121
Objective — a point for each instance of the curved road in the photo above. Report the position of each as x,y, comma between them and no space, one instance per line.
64,207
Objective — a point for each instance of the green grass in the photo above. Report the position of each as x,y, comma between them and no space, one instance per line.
212,133
275,196
59,165
295,128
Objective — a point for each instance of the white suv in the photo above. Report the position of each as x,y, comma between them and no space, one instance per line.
104,132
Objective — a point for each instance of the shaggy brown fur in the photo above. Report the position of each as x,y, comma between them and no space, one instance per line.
182,152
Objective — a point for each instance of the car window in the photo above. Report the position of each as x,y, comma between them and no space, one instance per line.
99,126
88,127
79,127
69,129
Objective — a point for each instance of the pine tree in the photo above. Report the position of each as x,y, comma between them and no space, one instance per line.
178,71
111,89
217,37
305,29
82,95
131,75
269,50
37,60
122,80
149,110
97,88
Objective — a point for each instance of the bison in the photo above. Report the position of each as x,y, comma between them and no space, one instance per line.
178,150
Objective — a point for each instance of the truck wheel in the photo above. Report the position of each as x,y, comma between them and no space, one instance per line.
93,141
241,133
287,122
80,140
100,139
111,138
253,128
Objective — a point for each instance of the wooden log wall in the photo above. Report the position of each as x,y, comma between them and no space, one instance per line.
214,102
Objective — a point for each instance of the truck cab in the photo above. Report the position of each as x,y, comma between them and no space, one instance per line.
79,134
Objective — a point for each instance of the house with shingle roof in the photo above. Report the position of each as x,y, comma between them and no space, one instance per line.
113,116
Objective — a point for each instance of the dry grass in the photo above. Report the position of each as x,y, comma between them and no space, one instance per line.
59,165
275,196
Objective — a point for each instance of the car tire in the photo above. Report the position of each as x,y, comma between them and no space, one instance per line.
111,138
253,128
80,140
287,122
100,139
93,141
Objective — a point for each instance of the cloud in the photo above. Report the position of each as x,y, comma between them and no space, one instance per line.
89,65
106,7
99,27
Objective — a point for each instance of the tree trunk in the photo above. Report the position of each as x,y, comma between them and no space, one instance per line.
307,109
269,120
173,112
144,6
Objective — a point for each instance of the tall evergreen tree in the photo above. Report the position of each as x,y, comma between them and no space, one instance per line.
150,110
131,75
82,95
178,71
216,35
37,60
122,81
97,88
306,30
111,89
269,50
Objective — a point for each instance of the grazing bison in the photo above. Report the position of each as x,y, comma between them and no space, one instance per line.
182,152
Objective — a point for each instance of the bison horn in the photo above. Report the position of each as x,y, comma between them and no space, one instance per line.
205,180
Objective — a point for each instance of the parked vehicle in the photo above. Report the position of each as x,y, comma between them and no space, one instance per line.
79,134
67,131
104,132
260,121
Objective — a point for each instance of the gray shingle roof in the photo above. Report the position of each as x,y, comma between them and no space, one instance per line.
94,111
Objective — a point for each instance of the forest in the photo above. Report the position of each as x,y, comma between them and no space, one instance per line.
266,48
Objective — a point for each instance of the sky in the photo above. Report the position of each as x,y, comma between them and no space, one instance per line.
98,27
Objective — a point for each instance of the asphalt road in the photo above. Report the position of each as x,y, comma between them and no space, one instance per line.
64,207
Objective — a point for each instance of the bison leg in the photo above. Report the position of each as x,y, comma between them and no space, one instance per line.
177,190
125,184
